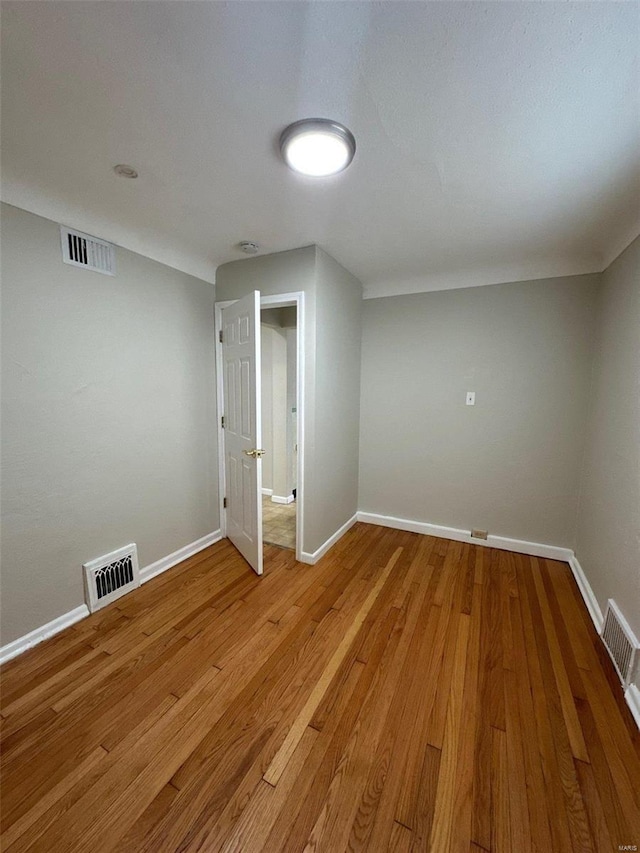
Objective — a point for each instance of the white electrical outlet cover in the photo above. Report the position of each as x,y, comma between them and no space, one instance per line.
471,398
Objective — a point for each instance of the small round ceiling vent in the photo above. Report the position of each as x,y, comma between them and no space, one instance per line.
124,171
248,247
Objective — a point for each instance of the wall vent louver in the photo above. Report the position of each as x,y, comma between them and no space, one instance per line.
620,641
109,577
82,250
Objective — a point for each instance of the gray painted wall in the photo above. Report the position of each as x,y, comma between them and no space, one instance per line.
338,342
333,300
511,463
291,335
608,536
267,406
279,412
275,465
279,322
108,421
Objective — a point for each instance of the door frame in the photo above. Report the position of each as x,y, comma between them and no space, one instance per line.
277,300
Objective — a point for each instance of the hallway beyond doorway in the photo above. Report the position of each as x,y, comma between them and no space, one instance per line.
278,523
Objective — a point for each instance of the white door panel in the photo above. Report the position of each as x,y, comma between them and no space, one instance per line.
242,426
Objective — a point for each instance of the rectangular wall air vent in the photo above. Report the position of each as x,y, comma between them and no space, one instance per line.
620,641
111,576
82,250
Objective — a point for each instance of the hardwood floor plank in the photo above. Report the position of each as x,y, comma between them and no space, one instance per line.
309,796
536,652
468,559
400,841
346,797
481,811
571,609
435,728
27,705
249,828
135,838
504,586
429,698
447,777
495,674
62,663
55,817
461,818
518,803
427,654
19,827
533,771
352,823
623,764
620,822
135,777
425,811
555,681
267,696
501,818
559,663
344,779
595,813
560,624
391,756
273,803
481,557
276,768
101,719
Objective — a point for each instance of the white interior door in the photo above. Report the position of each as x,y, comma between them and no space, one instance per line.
243,427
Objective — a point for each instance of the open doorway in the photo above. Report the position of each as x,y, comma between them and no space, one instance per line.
279,367
239,396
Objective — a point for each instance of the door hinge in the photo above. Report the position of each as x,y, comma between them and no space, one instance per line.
220,336
222,422
224,503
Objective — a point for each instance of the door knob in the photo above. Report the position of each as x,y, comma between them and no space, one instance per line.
255,453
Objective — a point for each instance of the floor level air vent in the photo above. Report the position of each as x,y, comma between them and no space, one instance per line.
111,576
620,641
82,250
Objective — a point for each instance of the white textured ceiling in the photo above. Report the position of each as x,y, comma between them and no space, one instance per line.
496,141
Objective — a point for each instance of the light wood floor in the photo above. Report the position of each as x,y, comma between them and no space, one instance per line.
406,693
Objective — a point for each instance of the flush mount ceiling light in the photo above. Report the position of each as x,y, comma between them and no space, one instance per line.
125,171
317,147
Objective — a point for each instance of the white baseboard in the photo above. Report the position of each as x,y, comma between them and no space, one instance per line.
587,593
632,697
171,560
277,499
535,549
312,559
15,648
267,492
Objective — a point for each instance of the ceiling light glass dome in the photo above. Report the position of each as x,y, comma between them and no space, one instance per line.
317,147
